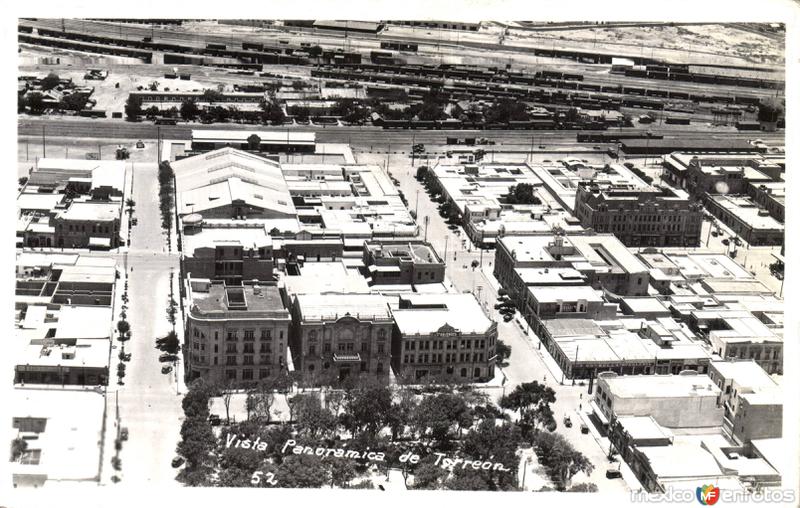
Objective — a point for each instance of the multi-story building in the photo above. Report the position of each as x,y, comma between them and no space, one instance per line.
602,260
336,336
717,173
751,398
235,334
93,224
686,400
755,225
771,196
640,216
402,262
232,254
443,336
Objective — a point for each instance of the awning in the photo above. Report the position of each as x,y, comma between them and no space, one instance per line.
391,269
99,242
346,357
598,412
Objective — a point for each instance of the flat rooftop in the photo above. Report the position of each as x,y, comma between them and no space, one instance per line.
92,211
430,313
415,250
552,294
69,446
232,299
661,386
316,307
271,137
326,277
746,210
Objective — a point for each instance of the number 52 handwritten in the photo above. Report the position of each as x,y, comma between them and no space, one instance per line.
268,478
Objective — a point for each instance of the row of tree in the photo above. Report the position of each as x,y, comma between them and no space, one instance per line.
368,416
166,196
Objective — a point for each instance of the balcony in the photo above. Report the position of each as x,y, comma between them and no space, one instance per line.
346,357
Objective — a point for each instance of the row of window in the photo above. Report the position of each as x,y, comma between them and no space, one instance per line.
426,345
439,358
82,228
247,374
264,347
233,360
343,347
313,335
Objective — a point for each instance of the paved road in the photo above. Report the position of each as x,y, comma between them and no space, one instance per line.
149,406
358,136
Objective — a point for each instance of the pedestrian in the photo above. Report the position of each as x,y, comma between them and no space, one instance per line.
580,395
580,406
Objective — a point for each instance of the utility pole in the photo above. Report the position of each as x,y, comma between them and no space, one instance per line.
446,239
427,220
416,206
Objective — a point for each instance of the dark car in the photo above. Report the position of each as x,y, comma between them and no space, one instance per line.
567,421
214,420
507,317
166,369
123,434
584,428
166,357
177,462
613,472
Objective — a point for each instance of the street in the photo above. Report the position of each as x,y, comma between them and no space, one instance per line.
149,403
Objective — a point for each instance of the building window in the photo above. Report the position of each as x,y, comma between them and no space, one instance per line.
463,372
247,374
248,360
312,335
266,334
249,335
379,370
230,360
266,348
231,348
230,374
326,347
381,347
248,348
381,334
312,349
364,347
363,366
263,373
232,335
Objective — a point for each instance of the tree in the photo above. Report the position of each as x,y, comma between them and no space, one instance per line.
311,416
505,110
769,110
123,327
211,96
498,444
133,107
22,104
297,85
253,142
422,172
559,458
522,194
370,409
571,115
152,112
50,81
315,51
197,442
260,400
272,112
503,351
469,480
22,180
342,472
302,471
35,103
428,476
73,102
439,413
189,109
402,412
18,448
169,343
532,400
195,402
350,111
300,113
153,86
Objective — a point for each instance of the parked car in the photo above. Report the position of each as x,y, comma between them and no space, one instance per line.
567,421
123,434
166,357
507,317
584,428
613,472
177,462
166,369
214,420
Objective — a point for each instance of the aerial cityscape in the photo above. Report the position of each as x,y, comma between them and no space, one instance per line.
401,255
